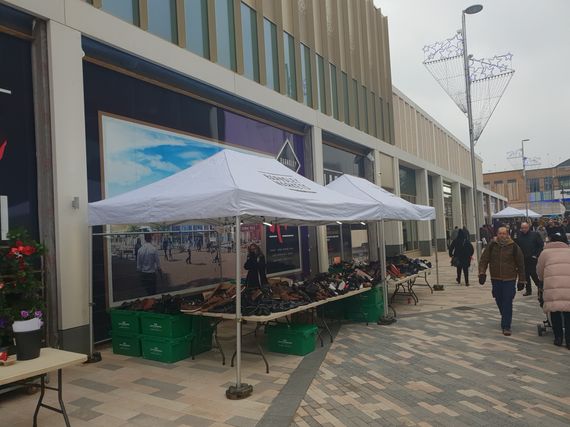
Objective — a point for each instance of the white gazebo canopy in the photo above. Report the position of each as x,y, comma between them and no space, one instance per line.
510,212
229,184
532,214
391,206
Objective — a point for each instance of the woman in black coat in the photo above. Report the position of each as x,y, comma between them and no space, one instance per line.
461,251
255,266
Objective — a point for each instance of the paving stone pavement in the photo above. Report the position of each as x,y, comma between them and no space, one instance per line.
447,368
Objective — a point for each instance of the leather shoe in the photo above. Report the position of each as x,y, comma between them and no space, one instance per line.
507,332
526,294
558,341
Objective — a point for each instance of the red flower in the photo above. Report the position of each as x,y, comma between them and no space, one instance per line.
19,243
28,250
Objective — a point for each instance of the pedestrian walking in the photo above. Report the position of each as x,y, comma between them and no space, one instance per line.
542,232
553,268
506,262
148,264
454,233
460,252
531,245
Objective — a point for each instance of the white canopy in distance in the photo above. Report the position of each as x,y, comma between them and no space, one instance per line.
392,207
510,212
230,184
532,214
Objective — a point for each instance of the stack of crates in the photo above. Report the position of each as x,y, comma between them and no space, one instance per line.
366,307
166,337
126,332
162,337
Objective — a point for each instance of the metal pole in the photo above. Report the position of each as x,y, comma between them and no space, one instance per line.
240,390
524,177
471,135
386,318
93,356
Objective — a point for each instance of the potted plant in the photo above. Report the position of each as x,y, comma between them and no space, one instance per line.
21,286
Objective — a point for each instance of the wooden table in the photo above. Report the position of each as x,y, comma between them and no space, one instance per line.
50,360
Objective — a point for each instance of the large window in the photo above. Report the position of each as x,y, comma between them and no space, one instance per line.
306,75
271,58
250,51
334,91
408,192
322,98
162,19
356,104
345,96
339,161
290,77
499,187
225,34
127,10
365,108
512,189
196,17
380,119
533,185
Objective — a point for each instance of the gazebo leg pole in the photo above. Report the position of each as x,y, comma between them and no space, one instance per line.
94,356
240,390
386,319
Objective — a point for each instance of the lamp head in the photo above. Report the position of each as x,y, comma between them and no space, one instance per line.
471,10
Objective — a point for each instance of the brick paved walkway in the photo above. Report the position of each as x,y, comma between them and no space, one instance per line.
449,368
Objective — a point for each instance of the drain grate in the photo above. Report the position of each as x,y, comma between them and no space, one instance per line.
464,308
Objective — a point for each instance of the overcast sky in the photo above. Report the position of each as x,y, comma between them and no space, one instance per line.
536,104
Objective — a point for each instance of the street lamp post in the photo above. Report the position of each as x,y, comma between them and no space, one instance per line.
524,176
471,10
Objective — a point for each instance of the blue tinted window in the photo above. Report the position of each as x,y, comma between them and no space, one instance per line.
271,58
321,95
225,32
334,91
127,10
196,17
250,51
162,19
306,75
290,77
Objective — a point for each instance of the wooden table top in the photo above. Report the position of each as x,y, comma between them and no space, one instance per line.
50,359
274,316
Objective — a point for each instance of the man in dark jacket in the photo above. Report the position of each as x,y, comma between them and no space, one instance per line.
506,262
531,245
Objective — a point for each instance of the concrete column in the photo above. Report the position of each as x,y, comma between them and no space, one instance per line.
393,234
470,213
422,198
318,171
456,206
439,204
70,181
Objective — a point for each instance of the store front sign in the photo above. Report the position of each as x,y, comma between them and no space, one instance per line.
288,157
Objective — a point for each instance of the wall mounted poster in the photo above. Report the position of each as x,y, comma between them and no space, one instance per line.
136,154
282,249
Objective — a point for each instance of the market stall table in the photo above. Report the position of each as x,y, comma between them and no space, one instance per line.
260,320
50,360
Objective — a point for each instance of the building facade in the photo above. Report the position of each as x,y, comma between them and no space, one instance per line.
546,191
105,96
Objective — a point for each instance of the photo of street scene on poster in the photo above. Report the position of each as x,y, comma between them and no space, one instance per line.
190,255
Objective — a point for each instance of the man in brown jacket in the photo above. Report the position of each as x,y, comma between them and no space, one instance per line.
506,262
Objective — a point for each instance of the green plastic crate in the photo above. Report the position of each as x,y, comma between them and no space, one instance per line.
165,325
298,339
166,350
365,313
333,310
202,341
126,344
373,296
125,321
